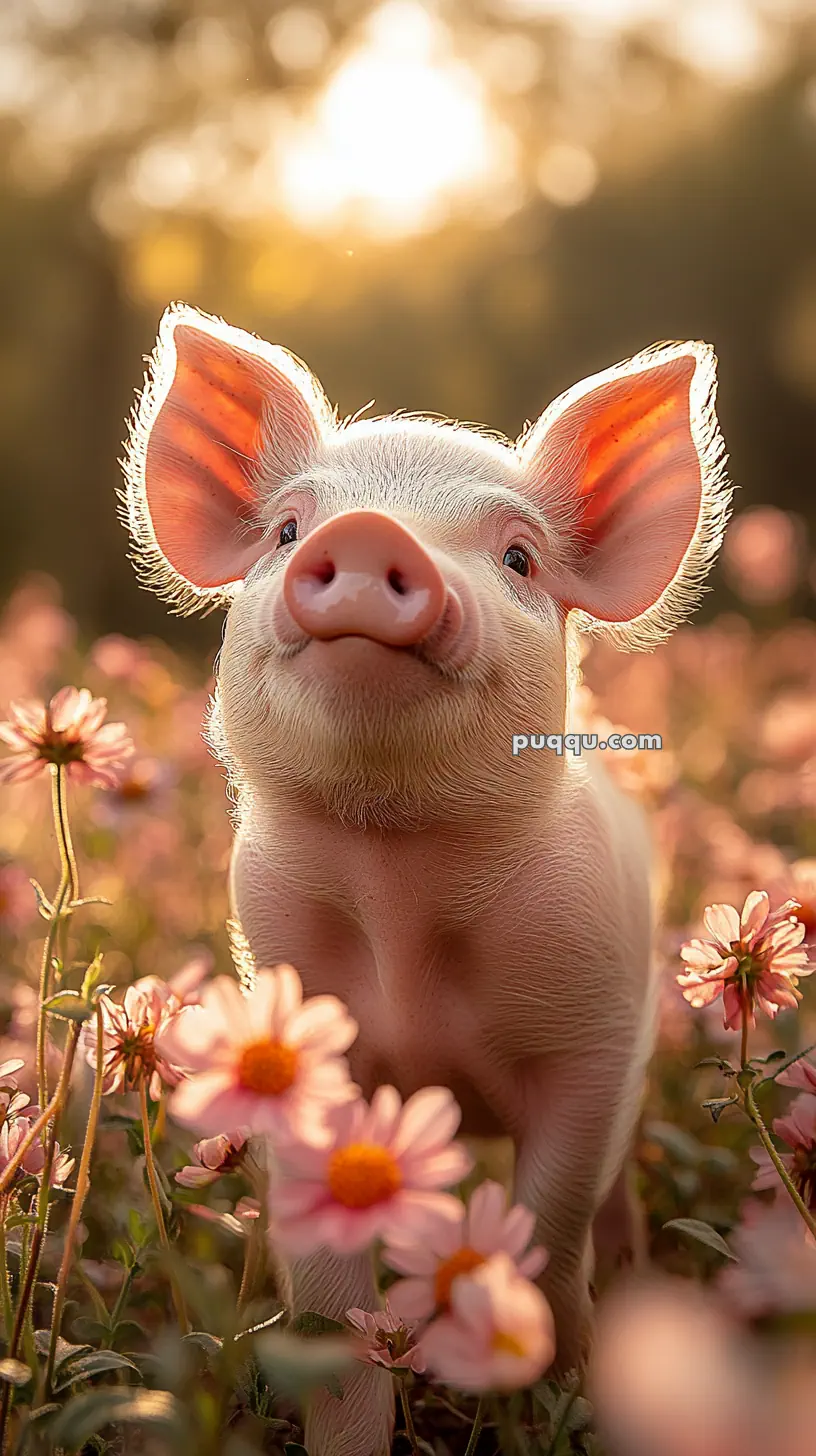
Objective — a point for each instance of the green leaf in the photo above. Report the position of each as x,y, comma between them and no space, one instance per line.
43,1412
15,1372
65,1350
681,1145
295,1364
96,1329
20,1220
724,1066
69,1006
92,1411
310,1323
98,1362
703,1233
210,1344
717,1105
777,1056
44,905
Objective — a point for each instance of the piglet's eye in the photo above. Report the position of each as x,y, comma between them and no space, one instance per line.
288,534
517,560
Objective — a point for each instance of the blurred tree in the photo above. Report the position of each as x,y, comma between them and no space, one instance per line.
634,196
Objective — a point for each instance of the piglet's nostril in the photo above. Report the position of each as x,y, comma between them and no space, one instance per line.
364,574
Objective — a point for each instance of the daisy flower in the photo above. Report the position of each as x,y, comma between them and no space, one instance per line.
71,731
499,1334
378,1176
798,1130
753,959
386,1340
776,1268
458,1245
267,1061
213,1157
130,1032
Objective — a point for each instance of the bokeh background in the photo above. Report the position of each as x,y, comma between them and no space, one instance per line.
458,207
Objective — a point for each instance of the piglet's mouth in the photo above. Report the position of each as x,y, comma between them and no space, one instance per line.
446,650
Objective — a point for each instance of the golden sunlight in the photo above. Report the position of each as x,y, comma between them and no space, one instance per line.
401,132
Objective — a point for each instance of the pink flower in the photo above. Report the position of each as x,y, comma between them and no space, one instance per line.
13,1132
755,959
776,1272
267,1061
649,1334
379,1176
387,1340
214,1157
12,1101
71,731
186,984
16,897
130,1038
798,1130
763,554
458,1245
801,1074
246,1209
499,1335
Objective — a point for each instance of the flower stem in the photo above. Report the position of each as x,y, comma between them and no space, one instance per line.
410,1428
29,1278
67,892
82,1183
152,1178
248,1271
756,1118
470,1449
5,1293
744,1042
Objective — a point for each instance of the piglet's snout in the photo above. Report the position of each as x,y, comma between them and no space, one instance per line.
363,574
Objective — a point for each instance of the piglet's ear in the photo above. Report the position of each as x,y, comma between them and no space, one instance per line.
223,420
630,464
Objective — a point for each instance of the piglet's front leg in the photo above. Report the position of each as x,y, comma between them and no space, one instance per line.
362,1423
573,1110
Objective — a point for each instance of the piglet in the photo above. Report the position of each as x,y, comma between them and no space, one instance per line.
405,597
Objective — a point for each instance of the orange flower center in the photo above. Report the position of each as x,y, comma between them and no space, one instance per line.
464,1261
134,789
267,1067
505,1344
806,912
363,1174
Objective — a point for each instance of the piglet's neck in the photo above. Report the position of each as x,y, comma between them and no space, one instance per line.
483,837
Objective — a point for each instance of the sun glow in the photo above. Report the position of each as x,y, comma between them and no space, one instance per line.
401,131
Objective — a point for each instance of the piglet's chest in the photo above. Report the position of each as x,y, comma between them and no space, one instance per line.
447,976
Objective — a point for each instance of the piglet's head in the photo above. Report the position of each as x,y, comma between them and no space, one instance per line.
400,590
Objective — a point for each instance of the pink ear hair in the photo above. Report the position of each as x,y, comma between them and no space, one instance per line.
223,419
630,465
